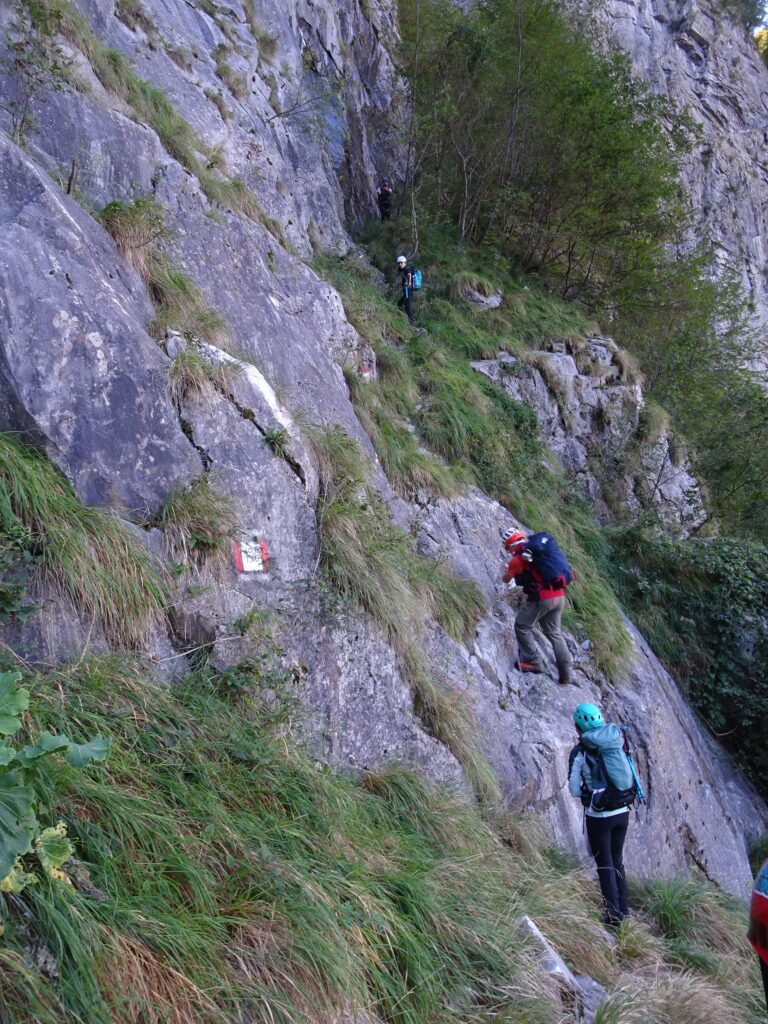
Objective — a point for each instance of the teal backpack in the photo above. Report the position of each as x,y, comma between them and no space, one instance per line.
416,280
614,780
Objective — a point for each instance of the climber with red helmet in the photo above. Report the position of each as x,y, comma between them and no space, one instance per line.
545,598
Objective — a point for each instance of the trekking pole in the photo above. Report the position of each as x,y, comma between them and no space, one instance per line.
638,783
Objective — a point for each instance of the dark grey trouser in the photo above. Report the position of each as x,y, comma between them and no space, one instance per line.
547,616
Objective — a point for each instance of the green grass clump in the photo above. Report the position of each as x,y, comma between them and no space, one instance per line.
138,228
199,524
191,375
88,552
479,435
373,563
232,877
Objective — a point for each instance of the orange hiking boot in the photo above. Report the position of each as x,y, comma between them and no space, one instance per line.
526,666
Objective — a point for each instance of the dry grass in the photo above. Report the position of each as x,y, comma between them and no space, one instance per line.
629,367
191,376
145,989
199,525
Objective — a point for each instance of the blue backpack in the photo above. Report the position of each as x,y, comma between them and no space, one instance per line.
416,280
550,562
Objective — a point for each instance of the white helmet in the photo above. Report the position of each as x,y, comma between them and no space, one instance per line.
401,261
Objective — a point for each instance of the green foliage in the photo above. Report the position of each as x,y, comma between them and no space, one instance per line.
21,771
88,552
556,153
701,604
34,64
480,435
199,524
232,876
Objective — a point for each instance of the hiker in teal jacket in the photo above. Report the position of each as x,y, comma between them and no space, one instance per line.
601,776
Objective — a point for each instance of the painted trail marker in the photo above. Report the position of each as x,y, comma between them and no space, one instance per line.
250,554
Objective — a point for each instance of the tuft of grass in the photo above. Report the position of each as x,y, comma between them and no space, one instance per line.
191,375
629,367
236,83
372,562
464,282
87,552
654,422
138,228
278,440
135,15
199,525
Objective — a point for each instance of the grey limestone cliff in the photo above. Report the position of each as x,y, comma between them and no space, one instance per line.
81,376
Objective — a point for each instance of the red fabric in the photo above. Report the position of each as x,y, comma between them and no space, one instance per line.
517,566
758,915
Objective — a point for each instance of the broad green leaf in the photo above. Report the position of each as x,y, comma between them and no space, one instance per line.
17,879
47,743
81,754
7,754
53,849
17,820
13,700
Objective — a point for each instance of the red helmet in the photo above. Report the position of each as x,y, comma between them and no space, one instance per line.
512,539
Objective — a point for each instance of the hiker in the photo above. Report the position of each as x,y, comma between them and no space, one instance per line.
758,923
406,280
542,570
601,773
384,198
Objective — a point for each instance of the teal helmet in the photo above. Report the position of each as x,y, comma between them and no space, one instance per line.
588,716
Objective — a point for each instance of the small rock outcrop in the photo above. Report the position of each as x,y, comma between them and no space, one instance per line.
590,407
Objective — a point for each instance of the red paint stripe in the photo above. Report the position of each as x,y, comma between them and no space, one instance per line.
237,557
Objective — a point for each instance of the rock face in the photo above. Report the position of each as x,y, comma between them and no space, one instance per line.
698,53
590,409
314,103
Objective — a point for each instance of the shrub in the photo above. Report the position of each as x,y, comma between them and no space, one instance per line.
88,552
699,602
199,525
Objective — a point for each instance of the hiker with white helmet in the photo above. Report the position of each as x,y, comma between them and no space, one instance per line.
406,281
542,570
384,197
602,774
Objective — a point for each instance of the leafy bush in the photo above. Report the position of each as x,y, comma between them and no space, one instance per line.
701,603
20,832
86,551
557,154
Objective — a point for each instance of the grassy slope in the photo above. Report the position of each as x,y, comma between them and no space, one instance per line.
479,434
243,881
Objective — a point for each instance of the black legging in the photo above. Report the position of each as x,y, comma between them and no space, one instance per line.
406,303
606,839
764,972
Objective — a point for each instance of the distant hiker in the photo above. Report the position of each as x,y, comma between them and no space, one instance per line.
384,198
601,773
542,570
406,281
758,923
